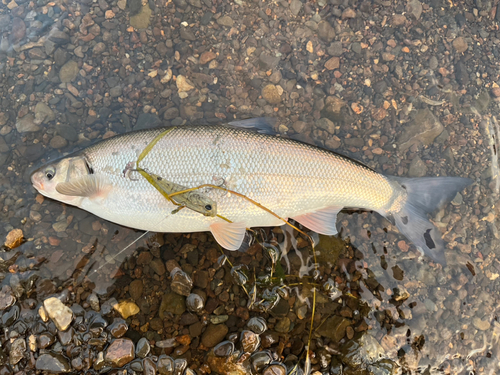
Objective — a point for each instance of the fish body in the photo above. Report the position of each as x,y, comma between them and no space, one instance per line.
293,179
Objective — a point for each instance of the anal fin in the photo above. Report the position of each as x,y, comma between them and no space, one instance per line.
321,221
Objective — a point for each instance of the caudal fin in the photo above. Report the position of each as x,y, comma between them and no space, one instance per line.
425,195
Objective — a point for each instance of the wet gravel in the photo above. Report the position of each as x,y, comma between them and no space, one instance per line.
410,88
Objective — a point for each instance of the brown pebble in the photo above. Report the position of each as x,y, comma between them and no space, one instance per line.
206,57
398,20
120,352
332,63
379,114
348,13
496,92
460,44
14,238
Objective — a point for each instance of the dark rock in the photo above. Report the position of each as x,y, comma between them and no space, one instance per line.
147,121
423,129
213,335
335,328
172,303
52,362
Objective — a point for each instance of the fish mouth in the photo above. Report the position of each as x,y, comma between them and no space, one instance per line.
37,184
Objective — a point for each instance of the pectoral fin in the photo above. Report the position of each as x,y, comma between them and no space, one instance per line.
322,221
89,186
229,235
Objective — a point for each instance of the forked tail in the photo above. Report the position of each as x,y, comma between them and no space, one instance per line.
425,195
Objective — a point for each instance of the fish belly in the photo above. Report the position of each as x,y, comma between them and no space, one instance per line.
287,177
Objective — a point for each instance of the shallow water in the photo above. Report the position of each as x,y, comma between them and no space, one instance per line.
408,88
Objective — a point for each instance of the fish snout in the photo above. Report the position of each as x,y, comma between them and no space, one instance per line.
37,180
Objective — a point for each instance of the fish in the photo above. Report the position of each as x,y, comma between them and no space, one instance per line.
294,180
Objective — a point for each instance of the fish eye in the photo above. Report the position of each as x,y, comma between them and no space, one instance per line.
208,207
50,173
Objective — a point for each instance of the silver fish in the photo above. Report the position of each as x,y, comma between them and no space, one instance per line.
293,179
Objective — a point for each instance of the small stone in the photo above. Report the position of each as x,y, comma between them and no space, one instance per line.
295,7
326,31
183,84
43,113
142,348
181,282
99,48
333,63
61,315
17,351
417,168
496,92
167,77
415,8
109,14
122,4
18,31
225,21
283,325
214,334
69,71
118,328
158,266
398,20
27,124
7,299
335,328
52,363
482,325
126,309
135,289
141,20
165,365
120,352
460,44
172,303
348,13
58,142
14,238
271,94
326,124
422,130
206,57
275,369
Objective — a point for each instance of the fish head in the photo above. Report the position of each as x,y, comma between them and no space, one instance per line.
47,178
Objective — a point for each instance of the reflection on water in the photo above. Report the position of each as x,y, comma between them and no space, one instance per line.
410,88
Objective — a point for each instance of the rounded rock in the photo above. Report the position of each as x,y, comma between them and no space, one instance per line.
213,335
195,302
271,94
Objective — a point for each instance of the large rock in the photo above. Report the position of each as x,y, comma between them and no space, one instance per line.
335,328
120,352
27,124
422,130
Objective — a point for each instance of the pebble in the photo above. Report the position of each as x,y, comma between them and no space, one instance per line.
165,365
181,282
27,124
142,348
335,328
135,289
69,71
7,299
333,63
43,113
460,44
58,142
61,315
118,328
14,238
17,351
158,266
214,334
482,325
276,369
52,363
18,31
422,130
295,7
183,84
206,57
120,352
126,309
98,48
141,20
172,303
417,168
326,31
398,20
326,124
271,94
225,21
